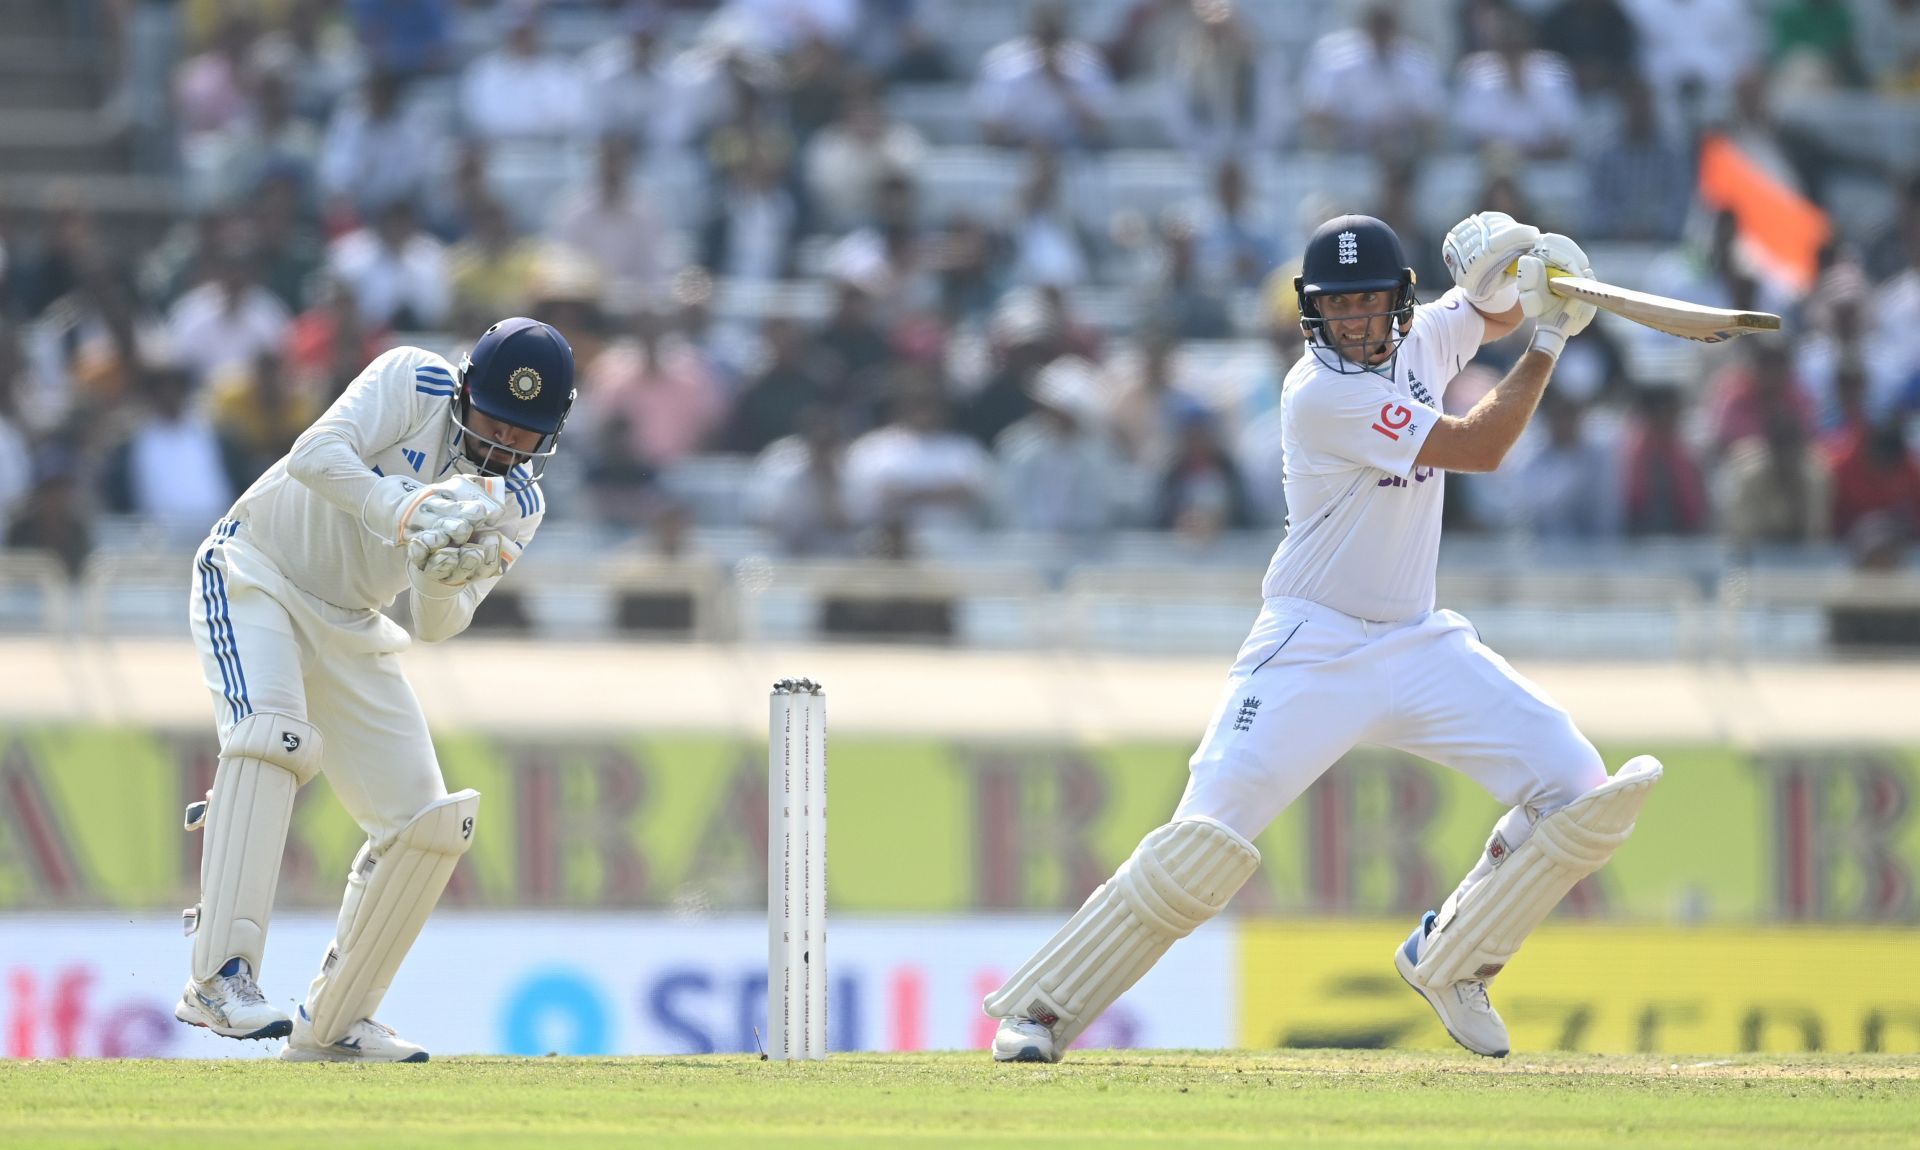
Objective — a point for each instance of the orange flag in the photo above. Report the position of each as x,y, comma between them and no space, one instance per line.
1780,229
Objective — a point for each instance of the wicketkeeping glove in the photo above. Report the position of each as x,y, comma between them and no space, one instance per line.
1479,250
484,556
404,511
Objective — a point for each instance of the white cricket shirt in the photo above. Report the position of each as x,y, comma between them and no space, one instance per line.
304,513
1363,524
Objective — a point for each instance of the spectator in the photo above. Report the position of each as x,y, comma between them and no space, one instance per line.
626,78
816,87
1043,88
320,56
1022,332
1815,38
1370,87
491,270
291,250
1148,37
523,91
1692,52
785,26
797,489
1640,184
1874,473
16,458
54,516
661,386
1888,43
1516,96
225,323
1774,489
1233,250
1223,97
1840,333
915,471
398,273
847,160
1177,296
329,344
257,414
1048,246
622,485
54,267
224,165
447,208
1201,494
887,263
1746,398
376,151
170,471
1898,329
1565,485
83,348
615,228
210,91
1058,472
753,223
963,258
1399,186
769,408
1148,409
1259,447
1597,38
1664,491
849,352
407,37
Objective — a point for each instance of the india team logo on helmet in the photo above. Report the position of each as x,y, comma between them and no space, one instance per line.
524,383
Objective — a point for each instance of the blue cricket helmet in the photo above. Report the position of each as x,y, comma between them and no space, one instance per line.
519,372
1352,254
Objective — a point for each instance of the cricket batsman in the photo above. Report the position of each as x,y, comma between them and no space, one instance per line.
1349,649
422,478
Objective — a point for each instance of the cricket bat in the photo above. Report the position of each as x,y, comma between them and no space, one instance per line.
1674,316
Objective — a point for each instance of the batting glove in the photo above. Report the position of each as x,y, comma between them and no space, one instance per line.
1479,250
1556,319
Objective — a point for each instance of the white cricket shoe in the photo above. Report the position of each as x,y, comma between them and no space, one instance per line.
230,1004
365,1041
1024,1040
1463,1006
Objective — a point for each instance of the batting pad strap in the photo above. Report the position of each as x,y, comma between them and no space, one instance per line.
1180,876
390,893
264,760
1477,934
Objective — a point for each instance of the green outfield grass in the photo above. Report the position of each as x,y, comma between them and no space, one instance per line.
1099,1099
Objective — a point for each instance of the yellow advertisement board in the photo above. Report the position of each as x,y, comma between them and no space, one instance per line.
1603,989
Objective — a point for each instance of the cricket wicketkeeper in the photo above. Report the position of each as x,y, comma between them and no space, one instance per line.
422,478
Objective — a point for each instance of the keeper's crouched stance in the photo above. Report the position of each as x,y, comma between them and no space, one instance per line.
1349,649
424,479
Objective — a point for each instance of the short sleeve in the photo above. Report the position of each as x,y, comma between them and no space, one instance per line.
1355,417
1455,329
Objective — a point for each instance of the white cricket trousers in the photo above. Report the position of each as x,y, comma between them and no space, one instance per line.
1311,683
266,645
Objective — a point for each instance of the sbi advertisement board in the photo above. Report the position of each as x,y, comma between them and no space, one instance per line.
532,984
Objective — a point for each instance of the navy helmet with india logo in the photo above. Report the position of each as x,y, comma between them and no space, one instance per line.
1350,254
520,373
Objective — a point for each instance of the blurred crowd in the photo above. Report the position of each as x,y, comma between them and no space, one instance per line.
346,171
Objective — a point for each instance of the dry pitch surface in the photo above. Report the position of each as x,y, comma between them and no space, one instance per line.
1097,1099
